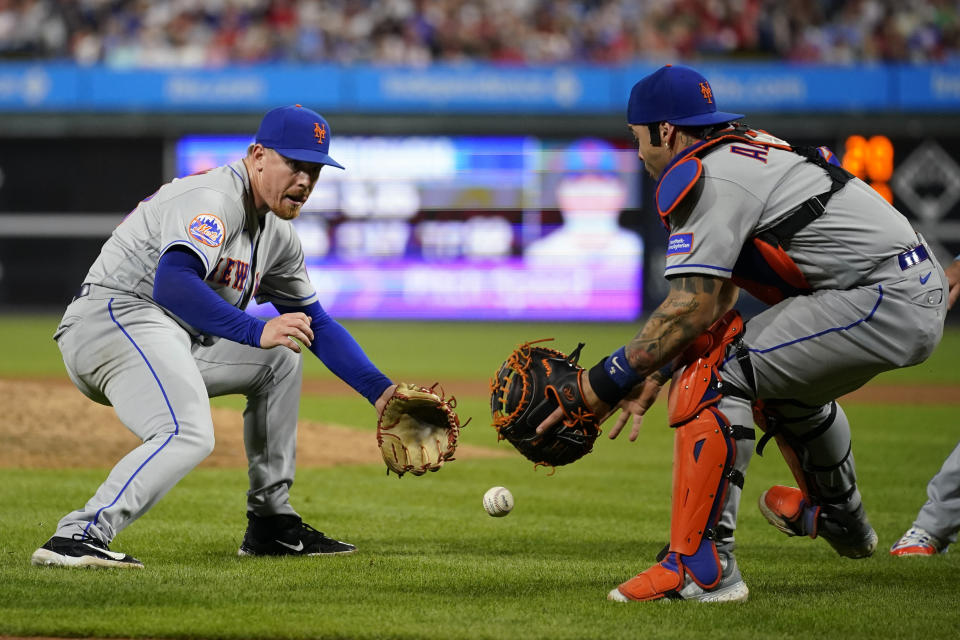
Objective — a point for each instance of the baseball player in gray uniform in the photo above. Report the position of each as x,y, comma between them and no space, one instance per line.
853,291
938,521
159,326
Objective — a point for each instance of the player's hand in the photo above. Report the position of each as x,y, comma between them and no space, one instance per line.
953,277
636,404
382,400
285,330
599,407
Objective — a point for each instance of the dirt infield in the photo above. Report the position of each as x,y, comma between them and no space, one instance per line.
48,424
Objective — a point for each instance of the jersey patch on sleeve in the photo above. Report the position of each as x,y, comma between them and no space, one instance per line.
207,229
679,243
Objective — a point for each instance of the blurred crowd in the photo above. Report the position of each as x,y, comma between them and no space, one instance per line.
192,33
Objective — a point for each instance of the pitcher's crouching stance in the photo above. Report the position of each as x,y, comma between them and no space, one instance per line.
159,327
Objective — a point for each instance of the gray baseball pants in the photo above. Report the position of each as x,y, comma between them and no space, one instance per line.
940,515
122,351
809,350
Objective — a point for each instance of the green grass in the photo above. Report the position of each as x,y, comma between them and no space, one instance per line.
433,350
432,564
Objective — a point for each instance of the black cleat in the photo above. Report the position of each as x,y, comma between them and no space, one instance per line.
81,551
288,536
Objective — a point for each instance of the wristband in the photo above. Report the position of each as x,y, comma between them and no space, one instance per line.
612,378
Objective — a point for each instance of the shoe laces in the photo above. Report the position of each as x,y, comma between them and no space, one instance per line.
310,531
88,539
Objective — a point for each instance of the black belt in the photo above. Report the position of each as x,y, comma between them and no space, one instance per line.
913,257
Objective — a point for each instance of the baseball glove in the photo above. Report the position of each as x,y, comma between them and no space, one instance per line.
417,430
526,389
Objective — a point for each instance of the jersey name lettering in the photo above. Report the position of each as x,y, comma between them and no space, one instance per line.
757,153
227,268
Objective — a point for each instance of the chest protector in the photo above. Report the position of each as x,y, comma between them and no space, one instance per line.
763,267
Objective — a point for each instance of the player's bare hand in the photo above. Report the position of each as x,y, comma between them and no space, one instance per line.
286,330
382,400
599,407
953,277
635,405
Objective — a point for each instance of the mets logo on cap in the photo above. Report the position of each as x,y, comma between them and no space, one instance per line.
207,229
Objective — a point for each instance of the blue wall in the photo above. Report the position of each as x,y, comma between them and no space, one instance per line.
476,89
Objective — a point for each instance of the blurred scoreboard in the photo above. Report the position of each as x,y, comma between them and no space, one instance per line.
455,227
483,228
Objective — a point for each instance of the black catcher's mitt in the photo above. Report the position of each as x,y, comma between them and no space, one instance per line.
528,387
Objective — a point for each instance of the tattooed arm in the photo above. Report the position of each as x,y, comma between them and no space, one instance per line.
693,304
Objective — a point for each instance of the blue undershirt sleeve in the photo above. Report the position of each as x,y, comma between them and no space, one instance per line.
179,288
339,351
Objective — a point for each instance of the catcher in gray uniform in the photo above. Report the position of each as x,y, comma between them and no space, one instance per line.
853,291
938,520
158,327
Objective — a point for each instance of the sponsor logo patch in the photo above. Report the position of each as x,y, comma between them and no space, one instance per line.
207,229
679,243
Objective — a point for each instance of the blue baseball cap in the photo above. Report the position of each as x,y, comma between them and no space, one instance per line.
297,133
678,95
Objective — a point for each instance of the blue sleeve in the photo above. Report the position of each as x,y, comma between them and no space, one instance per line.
338,350
179,287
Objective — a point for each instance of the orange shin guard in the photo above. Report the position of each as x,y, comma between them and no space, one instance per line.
702,453
703,456
653,584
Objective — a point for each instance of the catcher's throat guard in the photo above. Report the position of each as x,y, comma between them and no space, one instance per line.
527,388
704,454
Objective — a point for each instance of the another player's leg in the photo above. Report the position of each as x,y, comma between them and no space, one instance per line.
938,521
816,444
158,394
271,381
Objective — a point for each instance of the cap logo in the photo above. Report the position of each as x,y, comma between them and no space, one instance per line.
706,92
319,132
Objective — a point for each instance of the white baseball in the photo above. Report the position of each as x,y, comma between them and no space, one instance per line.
498,501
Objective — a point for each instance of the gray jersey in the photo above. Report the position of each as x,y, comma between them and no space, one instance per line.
212,214
748,188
